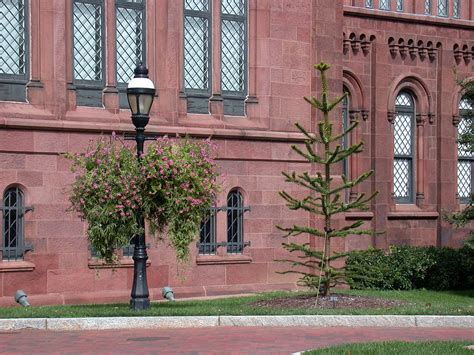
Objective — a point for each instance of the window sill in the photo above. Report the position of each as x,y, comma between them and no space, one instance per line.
121,264
359,215
413,214
224,259
14,266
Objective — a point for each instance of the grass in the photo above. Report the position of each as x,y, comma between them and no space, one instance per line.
397,347
420,302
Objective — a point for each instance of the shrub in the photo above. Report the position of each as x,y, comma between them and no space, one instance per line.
406,267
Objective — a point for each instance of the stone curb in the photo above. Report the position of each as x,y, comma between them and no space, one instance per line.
99,323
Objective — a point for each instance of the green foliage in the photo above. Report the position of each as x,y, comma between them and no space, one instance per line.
405,268
173,187
324,198
467,140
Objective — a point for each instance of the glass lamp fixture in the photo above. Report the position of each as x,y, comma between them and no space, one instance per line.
140,91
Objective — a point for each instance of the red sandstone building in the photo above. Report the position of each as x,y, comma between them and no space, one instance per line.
236,70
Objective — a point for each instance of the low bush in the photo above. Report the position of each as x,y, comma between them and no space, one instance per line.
407,267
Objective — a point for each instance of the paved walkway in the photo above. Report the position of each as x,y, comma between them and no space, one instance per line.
215,340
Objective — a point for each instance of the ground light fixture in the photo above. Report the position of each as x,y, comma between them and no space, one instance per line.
140,94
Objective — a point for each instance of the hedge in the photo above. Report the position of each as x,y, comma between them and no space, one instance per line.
407,267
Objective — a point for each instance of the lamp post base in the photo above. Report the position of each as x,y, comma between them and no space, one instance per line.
139,304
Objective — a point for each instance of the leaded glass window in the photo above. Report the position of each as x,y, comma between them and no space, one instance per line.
14,210
384,4
399,5
403,148
130,42
443,8
13,50
207,233
235,222
369,3
345,138
465,157
197,45
130,35
428,7
456,8
234,55
89,51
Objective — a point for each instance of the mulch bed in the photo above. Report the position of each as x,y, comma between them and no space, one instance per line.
331,302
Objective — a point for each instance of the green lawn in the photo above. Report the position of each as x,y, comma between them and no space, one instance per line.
420,302
397,348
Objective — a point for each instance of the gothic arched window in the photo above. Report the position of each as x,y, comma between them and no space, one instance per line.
403,143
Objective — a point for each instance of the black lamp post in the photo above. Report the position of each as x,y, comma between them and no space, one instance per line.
140,94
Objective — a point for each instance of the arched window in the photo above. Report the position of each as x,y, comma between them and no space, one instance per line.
207,233
465,158
345,139
13,221
403,137
235,222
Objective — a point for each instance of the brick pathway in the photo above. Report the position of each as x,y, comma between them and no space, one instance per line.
219,340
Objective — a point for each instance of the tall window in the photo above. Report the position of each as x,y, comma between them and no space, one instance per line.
14,211
197,54
345,139
13,50
130,41
384,4
465,157
428,7
399,5
207,234
234,55
235,222
443,8
89,51
369,3
456,8
403,164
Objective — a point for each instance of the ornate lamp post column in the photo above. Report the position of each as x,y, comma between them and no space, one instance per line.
140,94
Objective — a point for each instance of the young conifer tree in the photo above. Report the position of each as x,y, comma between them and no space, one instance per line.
324,198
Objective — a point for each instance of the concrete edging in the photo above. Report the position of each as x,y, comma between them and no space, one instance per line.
99,323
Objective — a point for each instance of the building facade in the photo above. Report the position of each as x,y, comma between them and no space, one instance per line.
235,70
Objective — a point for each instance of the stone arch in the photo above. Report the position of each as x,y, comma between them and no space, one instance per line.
457,96
354,86
418,88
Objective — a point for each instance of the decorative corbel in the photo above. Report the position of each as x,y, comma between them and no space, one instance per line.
432,54
393,48
403,51
412,50
420,119
391,116
467,57
365,114
431,117
365,45
355,44
345,45
422,53
353,115
456,120
458,56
